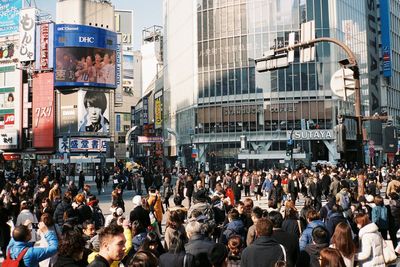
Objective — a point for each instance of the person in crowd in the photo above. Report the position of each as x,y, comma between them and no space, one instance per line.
112,246
316,192
174,224
288,239
293,187
309,257
394,224
325,183
70,250
5,229
291,222
46,207
81,180
237,188
152,243
246,181
256,214
31,255
167,191
235,226
143,258
155,203
27,217
117,199
189,186
276,194
55,192
371,250
235,247
335,218
331,257
89,231
175,256
197,245
217,255
264,248
342,240
139,213
313,220
308,205
394,184
83,210
380,216
99,181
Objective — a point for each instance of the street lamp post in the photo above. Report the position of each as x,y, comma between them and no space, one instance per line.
127,142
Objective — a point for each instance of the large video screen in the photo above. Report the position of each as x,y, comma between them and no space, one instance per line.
85,66
85,56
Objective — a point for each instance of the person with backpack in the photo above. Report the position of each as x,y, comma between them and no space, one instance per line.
343,197
97,213
20,250
379,216
335,217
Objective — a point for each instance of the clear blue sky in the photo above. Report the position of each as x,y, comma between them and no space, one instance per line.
146,13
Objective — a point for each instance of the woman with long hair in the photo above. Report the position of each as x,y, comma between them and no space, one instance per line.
176,251
291,223
379,216
330,257
343,242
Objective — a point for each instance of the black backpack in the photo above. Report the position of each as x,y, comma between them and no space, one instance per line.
98,217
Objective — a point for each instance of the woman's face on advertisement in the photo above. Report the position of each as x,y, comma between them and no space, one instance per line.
94,114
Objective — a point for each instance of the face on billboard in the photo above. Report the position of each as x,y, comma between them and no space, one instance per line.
85,66
93,112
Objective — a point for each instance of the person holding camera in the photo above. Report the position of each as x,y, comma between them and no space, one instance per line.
32,255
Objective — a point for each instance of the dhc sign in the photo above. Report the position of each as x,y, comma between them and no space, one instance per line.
84,39
311,135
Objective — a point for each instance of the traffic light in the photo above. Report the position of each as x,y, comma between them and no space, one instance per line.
289,147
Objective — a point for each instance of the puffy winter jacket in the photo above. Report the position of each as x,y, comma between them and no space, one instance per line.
371,253
235,227
34,255
59,212
306,236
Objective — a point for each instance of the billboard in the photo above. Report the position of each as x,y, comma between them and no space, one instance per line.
85,56
7,53
27,27
385,37
85,112
9,16
43,110
9,139
158,110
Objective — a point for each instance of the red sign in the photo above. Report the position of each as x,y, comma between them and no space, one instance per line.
11,156
44,46
9,119
43,110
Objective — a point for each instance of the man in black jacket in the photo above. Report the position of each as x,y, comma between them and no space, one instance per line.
264,251
310,256
288,240
198,245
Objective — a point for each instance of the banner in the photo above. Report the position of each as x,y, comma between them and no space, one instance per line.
9,16
27,27
385,37
43,110
158,112
150,139
44,46
93,112
85,56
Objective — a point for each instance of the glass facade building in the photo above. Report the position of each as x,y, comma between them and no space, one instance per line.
231,99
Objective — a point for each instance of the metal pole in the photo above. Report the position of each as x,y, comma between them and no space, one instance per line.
357,91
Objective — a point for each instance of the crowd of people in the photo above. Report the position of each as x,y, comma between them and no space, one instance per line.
216,218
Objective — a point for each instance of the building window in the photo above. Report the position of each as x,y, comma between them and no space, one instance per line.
118,123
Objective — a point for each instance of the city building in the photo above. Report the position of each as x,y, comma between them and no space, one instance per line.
213,94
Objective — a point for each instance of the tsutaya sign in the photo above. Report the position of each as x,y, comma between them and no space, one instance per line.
311,135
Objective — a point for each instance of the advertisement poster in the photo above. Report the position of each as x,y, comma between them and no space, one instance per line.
83,144
93,112
44,46
43,111
9,16
68,113
85,56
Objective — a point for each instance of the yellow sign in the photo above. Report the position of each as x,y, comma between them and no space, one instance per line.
158,113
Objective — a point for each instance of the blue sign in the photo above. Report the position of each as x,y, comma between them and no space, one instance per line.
85,56
385,38
9,16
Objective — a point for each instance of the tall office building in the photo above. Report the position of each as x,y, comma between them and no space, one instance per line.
215,95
